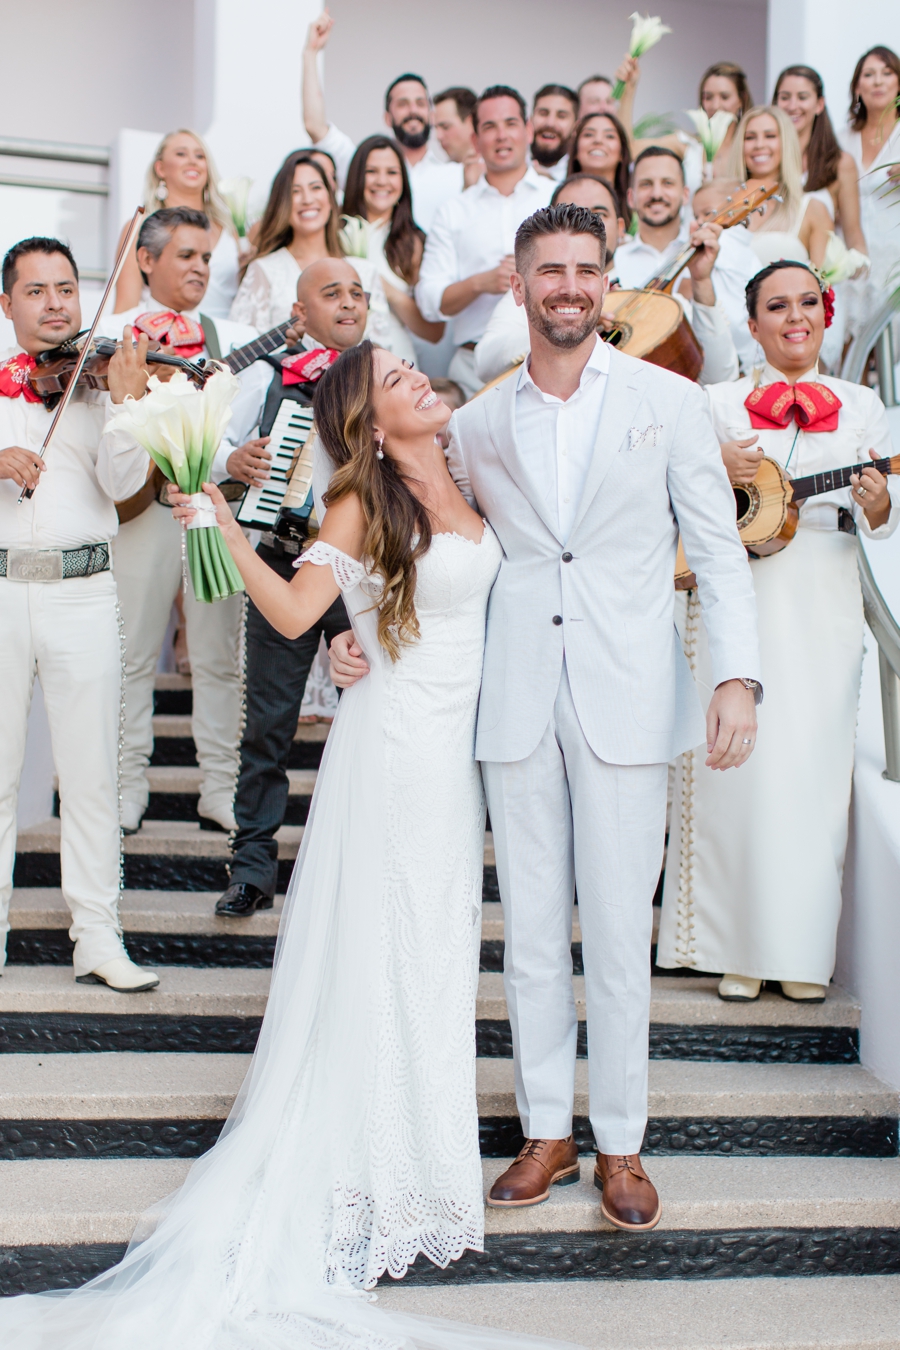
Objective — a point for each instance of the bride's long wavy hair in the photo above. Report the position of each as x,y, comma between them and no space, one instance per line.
398,528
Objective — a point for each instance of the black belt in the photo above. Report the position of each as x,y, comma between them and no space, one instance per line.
53,564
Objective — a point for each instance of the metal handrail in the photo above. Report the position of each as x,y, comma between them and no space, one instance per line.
59,150
56,184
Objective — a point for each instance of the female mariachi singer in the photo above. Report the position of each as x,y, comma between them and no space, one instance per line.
753,882
182,173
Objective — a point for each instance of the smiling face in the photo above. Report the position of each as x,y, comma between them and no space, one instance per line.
182,166
409,114
878,86
562,287
719,94
553,120
762,148
599,149
310,203
406,407
383,183
596,97
594,197
659,192
503,134
790,320
43,302
798,97
178,278
332,306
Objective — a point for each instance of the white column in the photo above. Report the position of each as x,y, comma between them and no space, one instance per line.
830,36
247,65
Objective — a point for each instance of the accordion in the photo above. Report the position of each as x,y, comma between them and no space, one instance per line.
284,504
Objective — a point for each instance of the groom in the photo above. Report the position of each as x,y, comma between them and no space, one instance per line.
587,463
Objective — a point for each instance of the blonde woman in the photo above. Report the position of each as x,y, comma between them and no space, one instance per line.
766,151
182,173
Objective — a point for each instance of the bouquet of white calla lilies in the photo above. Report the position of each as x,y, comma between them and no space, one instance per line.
840,263
236,192
646,31
711,131
181,428
355,236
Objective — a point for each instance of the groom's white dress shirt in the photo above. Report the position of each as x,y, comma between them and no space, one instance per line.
557,437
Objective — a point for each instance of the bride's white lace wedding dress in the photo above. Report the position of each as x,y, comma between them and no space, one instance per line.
353,1144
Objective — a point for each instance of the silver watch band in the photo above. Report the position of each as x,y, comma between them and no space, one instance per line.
755,688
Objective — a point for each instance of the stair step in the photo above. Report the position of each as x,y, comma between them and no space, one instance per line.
175,793
173,743
126,1105
173,693
831,1313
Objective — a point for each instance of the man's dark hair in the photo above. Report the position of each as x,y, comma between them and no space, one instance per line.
498,91
592,178
39,243
593,79
562,90
401,79
561,219
159,227
653,152
782,265
465,100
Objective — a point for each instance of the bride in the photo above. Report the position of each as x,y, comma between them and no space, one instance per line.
353,1144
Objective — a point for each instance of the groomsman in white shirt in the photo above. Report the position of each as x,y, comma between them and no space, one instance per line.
408,116
58,601
174,249
553,117
468,259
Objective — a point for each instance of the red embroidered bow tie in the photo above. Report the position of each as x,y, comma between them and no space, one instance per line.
183,335
814,406
307,367
14,378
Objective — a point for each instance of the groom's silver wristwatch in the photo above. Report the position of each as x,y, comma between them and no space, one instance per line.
755,688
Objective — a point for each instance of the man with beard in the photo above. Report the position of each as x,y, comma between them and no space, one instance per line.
553,118
408,116
587,464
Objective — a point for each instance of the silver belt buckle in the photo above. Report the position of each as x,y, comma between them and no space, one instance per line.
34,564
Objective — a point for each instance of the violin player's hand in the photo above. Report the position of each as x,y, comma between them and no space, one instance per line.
128,372
22,466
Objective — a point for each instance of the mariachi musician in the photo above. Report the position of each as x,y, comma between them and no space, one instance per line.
755,860
331,310
58,600
173,249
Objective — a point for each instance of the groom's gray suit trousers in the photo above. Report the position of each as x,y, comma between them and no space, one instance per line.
563,820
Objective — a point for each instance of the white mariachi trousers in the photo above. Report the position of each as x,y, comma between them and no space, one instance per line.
67,633
147,553
564,820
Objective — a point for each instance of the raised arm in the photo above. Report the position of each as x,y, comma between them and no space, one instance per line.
315,119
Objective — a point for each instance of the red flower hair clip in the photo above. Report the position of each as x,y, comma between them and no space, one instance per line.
828,302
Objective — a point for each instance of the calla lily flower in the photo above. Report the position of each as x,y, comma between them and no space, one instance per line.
646,31
711,131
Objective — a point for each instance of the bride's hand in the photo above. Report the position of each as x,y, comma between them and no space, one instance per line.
347,661
182,509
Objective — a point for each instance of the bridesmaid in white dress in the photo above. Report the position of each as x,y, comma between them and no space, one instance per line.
379,226
182,173
755,860
873,140
353,1145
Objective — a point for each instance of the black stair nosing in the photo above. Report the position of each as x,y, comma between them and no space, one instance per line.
180,752
681,1254
148,1033
181,806
173,702
499,1137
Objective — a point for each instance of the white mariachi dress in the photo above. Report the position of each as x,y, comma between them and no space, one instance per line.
755,857
353,1144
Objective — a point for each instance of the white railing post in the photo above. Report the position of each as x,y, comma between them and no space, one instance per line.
884,360
890,711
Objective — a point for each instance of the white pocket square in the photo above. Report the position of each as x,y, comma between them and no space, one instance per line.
643,436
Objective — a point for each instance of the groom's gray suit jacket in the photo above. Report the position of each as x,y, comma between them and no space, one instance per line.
656,468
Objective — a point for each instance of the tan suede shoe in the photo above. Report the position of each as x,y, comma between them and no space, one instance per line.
542,1163
629,1199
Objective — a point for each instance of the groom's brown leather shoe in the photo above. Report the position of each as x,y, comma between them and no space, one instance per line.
629,1199
542,1163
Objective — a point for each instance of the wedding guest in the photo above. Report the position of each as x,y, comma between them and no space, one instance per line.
182,173
58,611
873,140
735,265
600,145
753,882
407,114
379,226
468,257
553,116
595,96
453,127
724,88
174,252
793,224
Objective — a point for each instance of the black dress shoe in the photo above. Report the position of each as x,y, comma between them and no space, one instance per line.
242,898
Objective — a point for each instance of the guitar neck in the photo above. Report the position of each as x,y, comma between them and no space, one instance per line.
243,357
816,483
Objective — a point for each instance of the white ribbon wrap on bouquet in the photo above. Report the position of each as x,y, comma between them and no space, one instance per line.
205,519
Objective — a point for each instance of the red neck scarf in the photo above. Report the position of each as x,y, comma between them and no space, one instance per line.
814,406
307,367
183,336
14,378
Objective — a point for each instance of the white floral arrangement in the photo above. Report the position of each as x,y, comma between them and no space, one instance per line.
355,236
840,263
181,428
646,31
711,131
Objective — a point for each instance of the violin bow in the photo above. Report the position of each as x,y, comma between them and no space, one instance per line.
86,346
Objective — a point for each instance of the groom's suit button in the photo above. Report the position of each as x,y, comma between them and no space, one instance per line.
567,557
557,619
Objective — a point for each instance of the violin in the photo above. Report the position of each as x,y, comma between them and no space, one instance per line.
53,373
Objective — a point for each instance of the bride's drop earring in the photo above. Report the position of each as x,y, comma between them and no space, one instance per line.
379,450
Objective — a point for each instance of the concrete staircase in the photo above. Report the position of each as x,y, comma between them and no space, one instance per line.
775,1151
